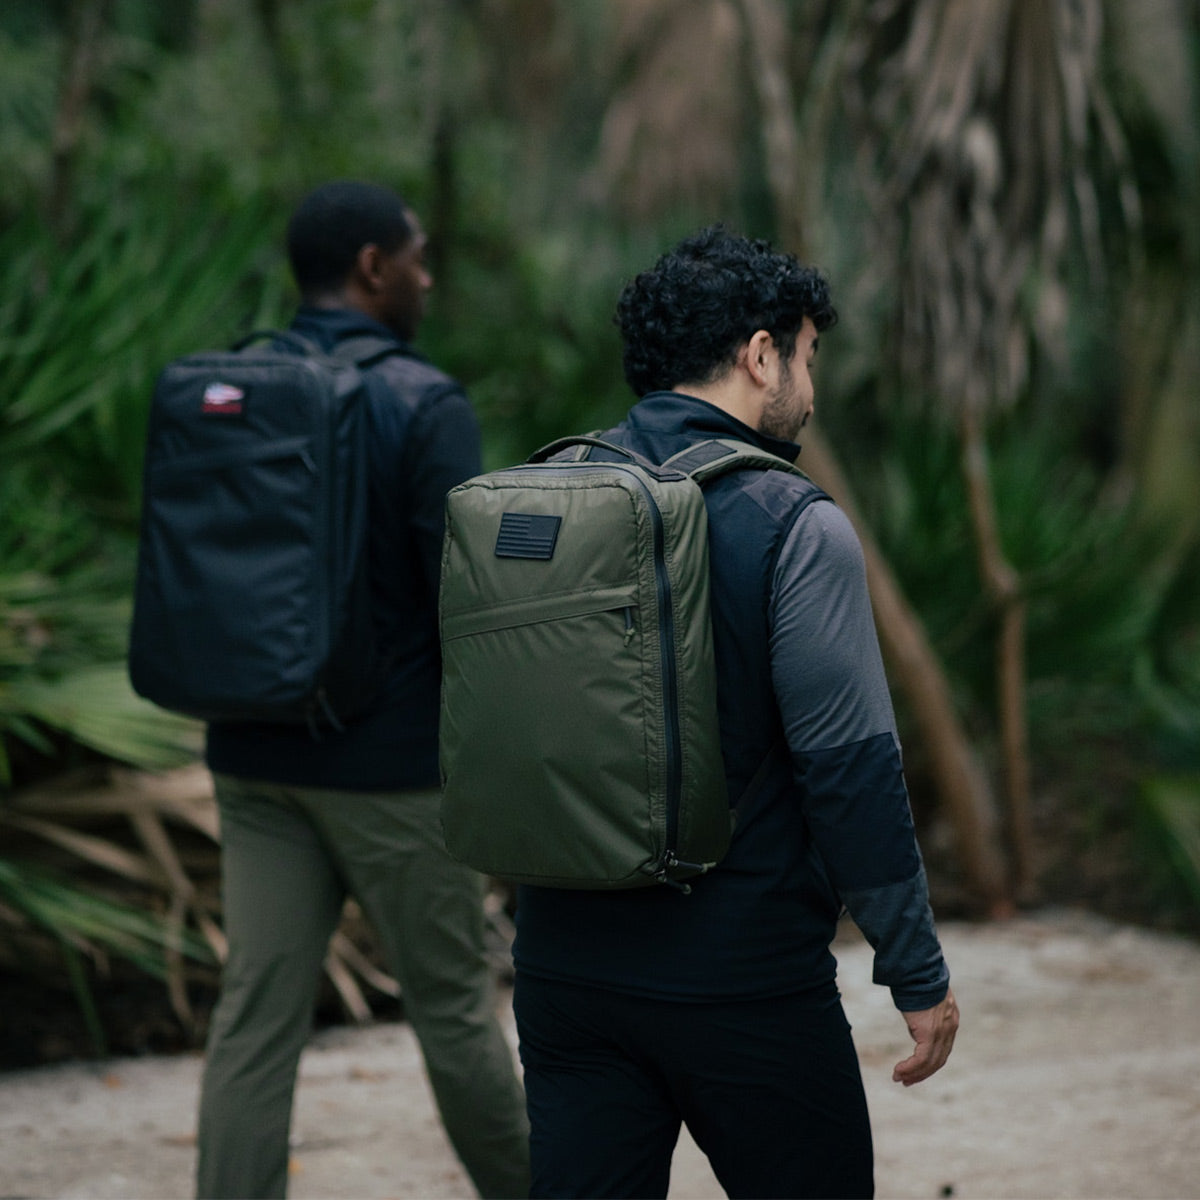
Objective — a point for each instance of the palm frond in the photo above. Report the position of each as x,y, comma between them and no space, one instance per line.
97,707
92,924
1173,802
987,173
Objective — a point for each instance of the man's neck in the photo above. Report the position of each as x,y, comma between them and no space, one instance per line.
725,395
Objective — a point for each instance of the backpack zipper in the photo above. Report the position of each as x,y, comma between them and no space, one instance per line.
666,644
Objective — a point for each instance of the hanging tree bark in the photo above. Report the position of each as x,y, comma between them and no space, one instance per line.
82,47
979,118
961,782
1003,585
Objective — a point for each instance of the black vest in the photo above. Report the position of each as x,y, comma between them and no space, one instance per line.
760,924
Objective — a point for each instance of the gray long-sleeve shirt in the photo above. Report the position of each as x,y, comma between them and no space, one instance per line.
833,694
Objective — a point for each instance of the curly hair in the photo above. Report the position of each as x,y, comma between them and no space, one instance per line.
685,319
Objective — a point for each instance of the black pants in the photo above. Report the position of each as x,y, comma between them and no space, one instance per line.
769,1089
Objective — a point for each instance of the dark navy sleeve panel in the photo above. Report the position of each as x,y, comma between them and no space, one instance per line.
835,707
825,660
856,804
898,924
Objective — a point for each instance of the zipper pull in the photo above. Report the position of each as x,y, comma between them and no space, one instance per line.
629,626
667,864
695,868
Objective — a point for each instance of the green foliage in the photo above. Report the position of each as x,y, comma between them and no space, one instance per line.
529,330
1076,549
64,619
1113,613
205,124
85,324
85,328
96,707
62,649
1172,803
87,926
27,76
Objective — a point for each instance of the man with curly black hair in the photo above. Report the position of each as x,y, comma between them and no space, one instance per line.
641,1010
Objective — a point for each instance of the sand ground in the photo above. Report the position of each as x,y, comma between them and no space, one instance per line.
1076,1074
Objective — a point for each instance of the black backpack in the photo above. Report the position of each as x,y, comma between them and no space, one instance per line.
252,593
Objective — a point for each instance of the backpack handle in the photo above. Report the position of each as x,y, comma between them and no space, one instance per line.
295,340
586,442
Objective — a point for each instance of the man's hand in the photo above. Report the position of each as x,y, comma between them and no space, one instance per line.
933,1030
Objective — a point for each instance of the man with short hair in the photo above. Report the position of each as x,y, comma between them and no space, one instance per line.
307,821
642,1009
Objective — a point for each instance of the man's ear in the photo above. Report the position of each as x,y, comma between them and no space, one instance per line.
759,349
367,264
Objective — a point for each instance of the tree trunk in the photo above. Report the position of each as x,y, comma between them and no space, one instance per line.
81,55
1003,586
961,782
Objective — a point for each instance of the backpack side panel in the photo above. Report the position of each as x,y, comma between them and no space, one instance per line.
703,824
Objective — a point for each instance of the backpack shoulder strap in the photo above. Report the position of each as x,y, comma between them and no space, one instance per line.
363,351
718,456
369,348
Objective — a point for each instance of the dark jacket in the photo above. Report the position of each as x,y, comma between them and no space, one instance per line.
801,686
424,440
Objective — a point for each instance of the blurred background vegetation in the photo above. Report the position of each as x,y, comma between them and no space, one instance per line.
1005,194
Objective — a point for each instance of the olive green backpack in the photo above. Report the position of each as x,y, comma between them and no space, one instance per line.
579,739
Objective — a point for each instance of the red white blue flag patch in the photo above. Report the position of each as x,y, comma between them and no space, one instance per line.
223,399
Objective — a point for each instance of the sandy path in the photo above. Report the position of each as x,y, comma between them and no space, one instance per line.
1076,1074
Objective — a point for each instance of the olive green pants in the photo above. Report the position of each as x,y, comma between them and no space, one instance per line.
289,857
